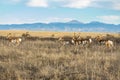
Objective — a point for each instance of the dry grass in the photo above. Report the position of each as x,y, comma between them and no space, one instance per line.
48,60
56,34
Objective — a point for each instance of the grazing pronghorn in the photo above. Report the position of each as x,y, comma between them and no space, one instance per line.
66,40
14,40
76,39
69,40
108,43
85,41
100,40
25,35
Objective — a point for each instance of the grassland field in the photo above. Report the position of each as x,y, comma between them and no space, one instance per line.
49,60
56,34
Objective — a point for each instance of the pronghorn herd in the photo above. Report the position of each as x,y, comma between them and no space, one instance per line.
65,40
77,40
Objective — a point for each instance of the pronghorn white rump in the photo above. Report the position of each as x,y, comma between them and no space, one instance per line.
109,43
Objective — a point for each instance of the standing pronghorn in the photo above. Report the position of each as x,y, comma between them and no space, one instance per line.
25,35
66,40
13,39
86,41
100,40
108,43
75,39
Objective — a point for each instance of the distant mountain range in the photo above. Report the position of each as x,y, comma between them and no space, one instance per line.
73,25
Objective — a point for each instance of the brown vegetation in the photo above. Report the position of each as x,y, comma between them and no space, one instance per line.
45,59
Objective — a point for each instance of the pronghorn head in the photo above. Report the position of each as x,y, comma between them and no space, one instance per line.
9,36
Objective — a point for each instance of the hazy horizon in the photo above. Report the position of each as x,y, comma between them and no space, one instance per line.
58,22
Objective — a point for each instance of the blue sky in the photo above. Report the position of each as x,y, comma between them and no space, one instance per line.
31,11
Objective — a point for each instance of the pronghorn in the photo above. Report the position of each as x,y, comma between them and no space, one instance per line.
14,40
106,42
100,40
109,43
25,35
85,41
66,40
75,39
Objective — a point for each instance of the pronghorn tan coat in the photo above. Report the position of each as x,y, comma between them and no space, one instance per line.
15,40
109,43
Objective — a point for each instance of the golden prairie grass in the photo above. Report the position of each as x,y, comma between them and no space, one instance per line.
49,60
56,34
